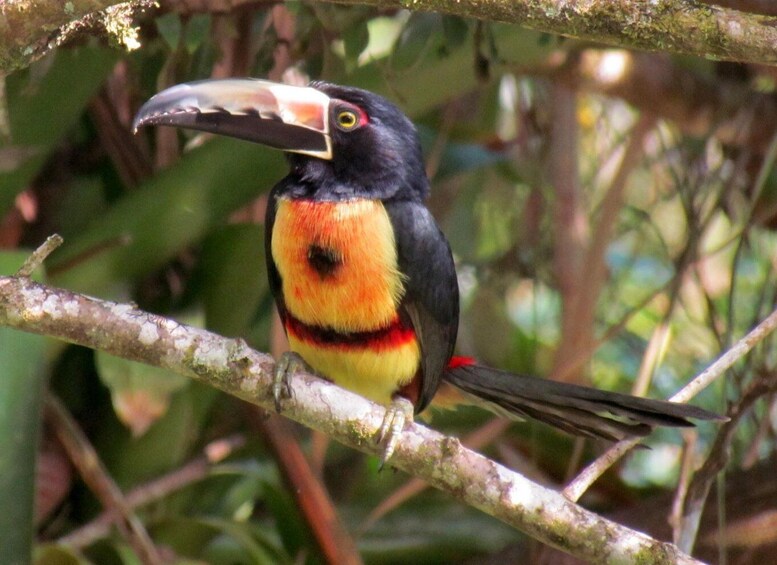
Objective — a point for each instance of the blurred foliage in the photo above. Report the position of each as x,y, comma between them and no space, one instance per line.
21,402
186,241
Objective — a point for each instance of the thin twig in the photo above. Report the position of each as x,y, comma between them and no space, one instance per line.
311,496
725,361
685,532
572,230
582,482
586,478
38,256
690,438
586,285
86,460
192,472
762,437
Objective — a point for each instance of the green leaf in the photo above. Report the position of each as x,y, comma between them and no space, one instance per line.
217,541
140,393
355,40
77,206
57,555
417,86
37,124
166,444
291,525
170,211
455,31
434,531
197,32
234,278
460,157
421,31
21,401
170,29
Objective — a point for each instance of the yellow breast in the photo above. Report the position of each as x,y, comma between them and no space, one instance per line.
338,263
342,288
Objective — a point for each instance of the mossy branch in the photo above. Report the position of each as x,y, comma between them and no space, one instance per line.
230,365
680,26
31,28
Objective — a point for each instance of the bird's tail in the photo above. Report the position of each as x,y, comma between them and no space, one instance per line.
572,408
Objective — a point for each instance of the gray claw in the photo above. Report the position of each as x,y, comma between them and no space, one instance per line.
288,363
397,415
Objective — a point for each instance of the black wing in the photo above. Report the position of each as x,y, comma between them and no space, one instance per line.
273,275
431,299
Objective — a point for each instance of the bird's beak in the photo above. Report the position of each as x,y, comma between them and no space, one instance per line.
291,118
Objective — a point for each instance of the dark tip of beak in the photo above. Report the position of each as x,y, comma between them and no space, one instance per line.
171,107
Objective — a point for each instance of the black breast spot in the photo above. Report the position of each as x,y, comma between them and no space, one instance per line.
324,260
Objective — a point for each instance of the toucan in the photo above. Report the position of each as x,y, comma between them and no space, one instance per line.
363,277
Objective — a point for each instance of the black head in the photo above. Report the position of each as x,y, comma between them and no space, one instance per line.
376,152
342,142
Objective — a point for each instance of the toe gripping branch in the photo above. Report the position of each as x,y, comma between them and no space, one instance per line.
398,414
288,364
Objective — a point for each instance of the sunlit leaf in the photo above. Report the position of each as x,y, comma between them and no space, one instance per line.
58,555
141,393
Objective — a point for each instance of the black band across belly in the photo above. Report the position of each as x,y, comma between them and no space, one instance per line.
397,333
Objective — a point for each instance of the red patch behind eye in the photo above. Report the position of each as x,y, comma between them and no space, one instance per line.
364,119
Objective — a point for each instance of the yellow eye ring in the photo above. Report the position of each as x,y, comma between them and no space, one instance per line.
347,119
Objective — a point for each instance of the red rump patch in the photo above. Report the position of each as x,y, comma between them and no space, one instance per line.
460,361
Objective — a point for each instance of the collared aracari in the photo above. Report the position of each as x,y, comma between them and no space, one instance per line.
363,278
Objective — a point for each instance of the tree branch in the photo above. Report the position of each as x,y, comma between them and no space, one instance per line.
681,26
587,476
700,106
233,367
30,28
95,475
195,470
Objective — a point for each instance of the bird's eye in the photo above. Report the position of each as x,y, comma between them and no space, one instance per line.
347,119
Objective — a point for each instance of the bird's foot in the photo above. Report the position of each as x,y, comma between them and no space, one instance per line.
399,413
288,364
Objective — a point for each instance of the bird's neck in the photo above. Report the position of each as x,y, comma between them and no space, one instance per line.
323,180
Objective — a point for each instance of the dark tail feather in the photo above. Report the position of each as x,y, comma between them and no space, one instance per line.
572,408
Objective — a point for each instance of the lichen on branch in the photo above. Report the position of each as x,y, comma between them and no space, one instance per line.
31,28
